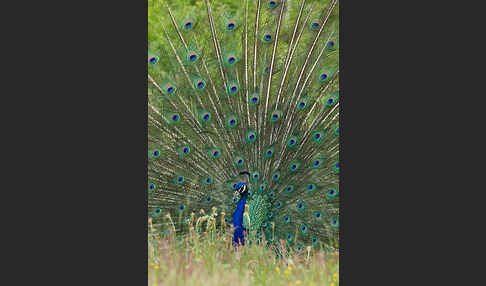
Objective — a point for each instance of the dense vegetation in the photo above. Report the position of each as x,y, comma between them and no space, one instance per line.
207,258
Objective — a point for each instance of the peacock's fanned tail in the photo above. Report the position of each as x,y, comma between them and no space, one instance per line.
249,86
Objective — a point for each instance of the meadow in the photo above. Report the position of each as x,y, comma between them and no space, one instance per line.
207,258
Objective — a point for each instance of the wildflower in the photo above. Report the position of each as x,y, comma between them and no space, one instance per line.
277,269
286,272
298,282
335,276
332,284
156,267
289,268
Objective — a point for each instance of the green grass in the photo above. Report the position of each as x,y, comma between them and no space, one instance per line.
208,259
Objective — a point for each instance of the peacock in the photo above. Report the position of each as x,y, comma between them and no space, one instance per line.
243,117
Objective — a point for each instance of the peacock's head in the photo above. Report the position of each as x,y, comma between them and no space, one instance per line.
241,188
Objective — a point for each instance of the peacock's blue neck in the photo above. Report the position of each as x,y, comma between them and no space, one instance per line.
237,221
240,208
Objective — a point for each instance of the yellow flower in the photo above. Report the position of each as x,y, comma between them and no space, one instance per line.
156,267
289,268
298,282
332,284
286,272
291,284
335,276
278,269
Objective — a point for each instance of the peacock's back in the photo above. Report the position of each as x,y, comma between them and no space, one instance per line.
251,85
